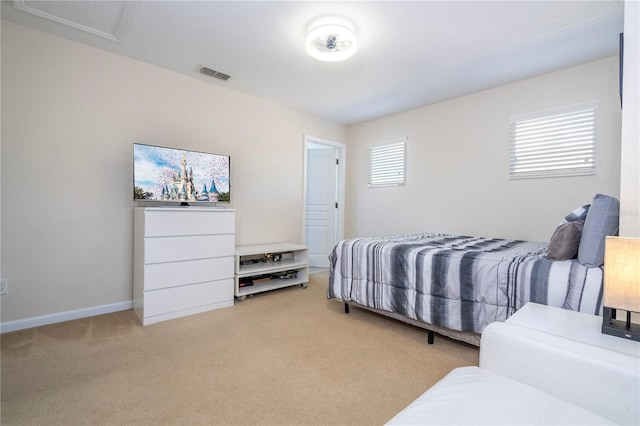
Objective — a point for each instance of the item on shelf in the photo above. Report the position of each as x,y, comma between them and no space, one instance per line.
286,275
245,282
252,261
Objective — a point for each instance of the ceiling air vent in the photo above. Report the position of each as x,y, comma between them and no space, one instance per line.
215,74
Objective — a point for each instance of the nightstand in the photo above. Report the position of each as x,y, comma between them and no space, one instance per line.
572,325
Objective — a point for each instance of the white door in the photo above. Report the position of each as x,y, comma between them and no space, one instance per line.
321,204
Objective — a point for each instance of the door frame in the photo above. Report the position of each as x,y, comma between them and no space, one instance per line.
341,155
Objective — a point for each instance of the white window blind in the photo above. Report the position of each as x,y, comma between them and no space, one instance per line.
387,162
561,142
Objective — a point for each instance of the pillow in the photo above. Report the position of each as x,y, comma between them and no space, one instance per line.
578,214
602,220
566,240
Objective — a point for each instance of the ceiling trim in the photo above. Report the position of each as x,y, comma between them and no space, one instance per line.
123,24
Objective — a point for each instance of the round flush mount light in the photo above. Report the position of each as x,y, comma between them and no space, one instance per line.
331,42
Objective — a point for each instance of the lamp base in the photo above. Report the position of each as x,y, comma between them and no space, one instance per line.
613,327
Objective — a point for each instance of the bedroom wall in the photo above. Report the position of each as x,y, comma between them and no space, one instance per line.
458,157
630,169
70,116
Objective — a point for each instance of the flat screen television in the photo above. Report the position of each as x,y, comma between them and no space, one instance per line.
172,175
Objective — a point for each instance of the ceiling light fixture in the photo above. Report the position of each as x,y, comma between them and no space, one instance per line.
331,42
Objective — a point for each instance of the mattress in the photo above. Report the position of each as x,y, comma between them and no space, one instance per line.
458,282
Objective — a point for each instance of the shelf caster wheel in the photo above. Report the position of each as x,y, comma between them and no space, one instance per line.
304,285
241,298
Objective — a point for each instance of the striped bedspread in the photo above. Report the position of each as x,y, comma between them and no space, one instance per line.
461,283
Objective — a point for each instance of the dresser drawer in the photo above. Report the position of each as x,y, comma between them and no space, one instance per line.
172,249
176,299
160,223
173,274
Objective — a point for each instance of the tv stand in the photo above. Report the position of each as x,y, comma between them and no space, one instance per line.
267,267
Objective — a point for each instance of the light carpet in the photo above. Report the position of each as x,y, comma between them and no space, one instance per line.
288,356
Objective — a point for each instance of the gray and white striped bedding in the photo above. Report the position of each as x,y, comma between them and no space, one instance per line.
461,283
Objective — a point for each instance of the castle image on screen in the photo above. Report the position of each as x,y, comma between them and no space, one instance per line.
169,174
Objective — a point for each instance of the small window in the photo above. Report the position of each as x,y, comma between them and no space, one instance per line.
387,163
561,142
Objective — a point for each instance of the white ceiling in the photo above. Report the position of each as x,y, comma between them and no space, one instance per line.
409,53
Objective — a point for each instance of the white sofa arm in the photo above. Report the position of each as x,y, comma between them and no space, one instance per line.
602,381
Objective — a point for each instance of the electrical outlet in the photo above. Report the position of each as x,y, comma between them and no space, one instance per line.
4,286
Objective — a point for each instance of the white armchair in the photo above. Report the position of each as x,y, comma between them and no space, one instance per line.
542,366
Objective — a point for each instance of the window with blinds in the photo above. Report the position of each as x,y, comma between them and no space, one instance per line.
561,142
387,163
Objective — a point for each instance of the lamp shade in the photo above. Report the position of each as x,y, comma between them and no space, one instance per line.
622,273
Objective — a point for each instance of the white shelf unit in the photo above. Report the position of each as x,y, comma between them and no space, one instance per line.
183,261
294,257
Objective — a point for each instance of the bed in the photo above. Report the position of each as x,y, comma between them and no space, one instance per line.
456,285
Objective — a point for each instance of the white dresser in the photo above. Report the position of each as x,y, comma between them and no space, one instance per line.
183,261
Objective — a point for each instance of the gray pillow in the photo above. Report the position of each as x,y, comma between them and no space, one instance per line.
602,220
566,240
578,214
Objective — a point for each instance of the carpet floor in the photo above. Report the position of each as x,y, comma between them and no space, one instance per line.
285,357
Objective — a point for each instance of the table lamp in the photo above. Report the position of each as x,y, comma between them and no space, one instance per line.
621,286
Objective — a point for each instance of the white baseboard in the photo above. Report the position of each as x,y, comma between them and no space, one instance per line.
22,324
